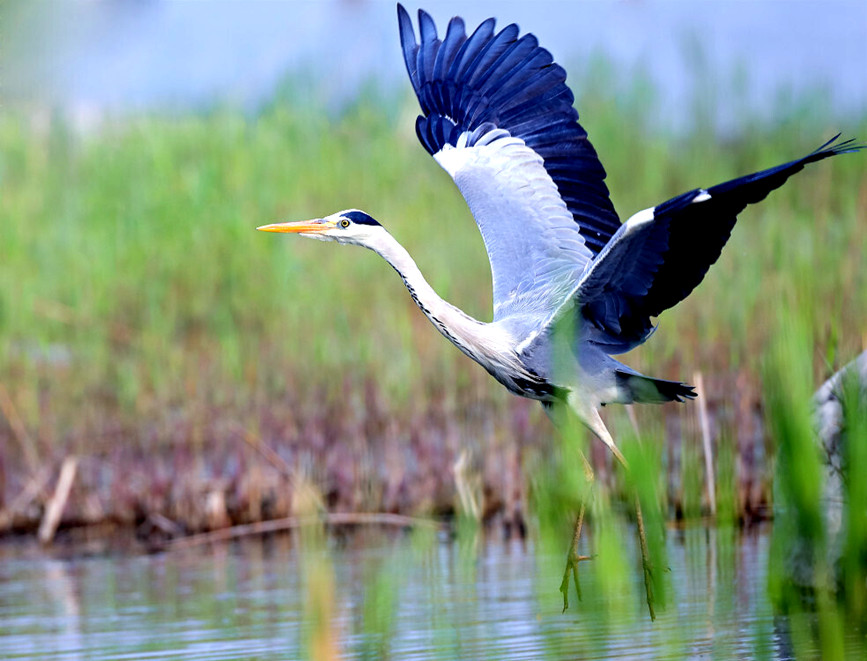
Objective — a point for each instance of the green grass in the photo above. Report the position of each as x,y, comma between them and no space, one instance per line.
133,248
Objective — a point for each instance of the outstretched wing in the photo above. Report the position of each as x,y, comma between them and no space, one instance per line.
660,255
497,115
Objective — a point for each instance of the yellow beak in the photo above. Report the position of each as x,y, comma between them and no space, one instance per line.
305,226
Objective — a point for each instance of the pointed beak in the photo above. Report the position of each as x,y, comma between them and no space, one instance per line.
304,227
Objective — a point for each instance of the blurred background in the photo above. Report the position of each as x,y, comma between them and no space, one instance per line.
188,374
95,58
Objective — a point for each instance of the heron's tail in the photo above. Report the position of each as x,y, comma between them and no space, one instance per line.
645,390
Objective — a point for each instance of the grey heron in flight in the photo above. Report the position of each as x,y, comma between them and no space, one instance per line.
498,117
572,286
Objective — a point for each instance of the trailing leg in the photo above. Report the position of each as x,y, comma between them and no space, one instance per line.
573,557
590,417
646,567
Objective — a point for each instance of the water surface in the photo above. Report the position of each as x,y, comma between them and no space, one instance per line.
373,595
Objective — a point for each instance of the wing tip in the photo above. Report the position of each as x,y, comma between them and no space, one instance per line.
832,147
403,19
427,27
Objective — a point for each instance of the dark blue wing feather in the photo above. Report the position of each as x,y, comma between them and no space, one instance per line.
655,261
409,46
510,82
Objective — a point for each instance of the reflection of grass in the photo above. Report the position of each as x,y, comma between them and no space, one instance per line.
142,320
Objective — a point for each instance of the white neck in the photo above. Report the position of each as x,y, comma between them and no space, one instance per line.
470,335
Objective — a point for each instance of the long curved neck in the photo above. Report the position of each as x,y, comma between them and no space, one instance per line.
467,333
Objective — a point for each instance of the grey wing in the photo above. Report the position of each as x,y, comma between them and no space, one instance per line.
499,118
661,254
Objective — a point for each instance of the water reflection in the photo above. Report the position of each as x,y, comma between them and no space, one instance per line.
410,596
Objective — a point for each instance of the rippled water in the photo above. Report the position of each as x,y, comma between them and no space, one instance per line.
404,596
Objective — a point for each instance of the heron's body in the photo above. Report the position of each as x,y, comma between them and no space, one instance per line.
572,286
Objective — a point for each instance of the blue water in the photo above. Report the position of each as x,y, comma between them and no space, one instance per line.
383,595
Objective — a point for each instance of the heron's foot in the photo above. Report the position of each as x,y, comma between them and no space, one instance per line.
572,568
572,560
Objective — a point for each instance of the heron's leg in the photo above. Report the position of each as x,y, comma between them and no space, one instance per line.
645,558
646,566
590,416
573,557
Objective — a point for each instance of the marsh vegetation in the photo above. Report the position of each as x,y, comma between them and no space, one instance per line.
205,375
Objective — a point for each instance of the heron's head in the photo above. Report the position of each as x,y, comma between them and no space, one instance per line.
349,226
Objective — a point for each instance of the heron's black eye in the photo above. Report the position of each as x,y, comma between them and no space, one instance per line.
344,223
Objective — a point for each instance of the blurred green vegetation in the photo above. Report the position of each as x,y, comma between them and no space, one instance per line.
818,556
140,311
136,297
129,256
